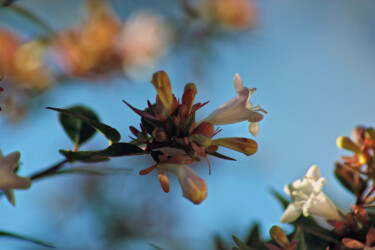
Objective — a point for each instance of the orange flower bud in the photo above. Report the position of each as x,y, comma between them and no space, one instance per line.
243,145
188,96
163,87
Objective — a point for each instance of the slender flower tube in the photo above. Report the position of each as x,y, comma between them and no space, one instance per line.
194,188
308,198
8,178
238,109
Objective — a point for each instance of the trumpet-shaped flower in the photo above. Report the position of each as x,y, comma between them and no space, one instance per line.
238,109
8,178
194,188
308,198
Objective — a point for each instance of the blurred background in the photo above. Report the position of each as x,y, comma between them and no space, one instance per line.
312,63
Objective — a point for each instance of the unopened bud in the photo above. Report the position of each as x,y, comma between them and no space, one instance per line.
141,137
159,135
134,130
346,143
278,235
188,96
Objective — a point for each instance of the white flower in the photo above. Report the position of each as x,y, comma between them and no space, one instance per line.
8,178
308,198
238,109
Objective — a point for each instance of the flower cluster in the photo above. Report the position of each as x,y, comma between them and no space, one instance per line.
308,198
352,230
103,45
169,131
357,172
23,63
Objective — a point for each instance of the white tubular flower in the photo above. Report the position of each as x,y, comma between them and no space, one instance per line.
8,178
193,187
238,109
308,198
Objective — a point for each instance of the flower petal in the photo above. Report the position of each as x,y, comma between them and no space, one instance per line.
254,128
236,109
323,207
313,173
8,178
193,187
352,244
10,196
291,213
164,182
237,82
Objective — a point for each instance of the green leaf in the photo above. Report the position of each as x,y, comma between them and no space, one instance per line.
78,130
254,240
219,244
26,238
283,201
84,156
299,236
241,244
314,233
218,155
123,149
115,150
110,133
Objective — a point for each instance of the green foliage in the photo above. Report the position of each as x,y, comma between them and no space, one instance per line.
77,130
300,238
221,156
241,245
123,149
115,150
110,133
219,244
254,240
26,238
283,201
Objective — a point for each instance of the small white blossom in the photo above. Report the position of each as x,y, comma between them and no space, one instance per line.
308,198
9,180
238,109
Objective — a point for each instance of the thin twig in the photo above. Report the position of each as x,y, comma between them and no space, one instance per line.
48,171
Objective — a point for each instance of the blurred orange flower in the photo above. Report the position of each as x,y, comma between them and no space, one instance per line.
90,48
235,14
23,63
